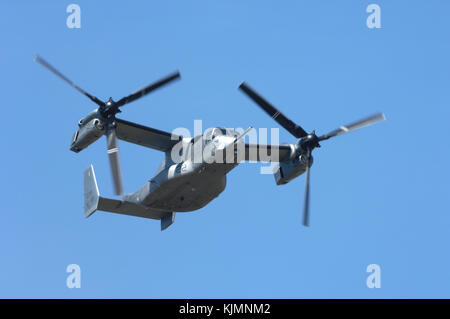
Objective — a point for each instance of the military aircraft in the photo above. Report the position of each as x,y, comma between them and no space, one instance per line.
193,171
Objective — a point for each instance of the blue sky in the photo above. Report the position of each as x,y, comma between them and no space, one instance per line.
379,195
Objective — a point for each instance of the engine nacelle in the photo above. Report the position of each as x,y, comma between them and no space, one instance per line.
87,134
288,170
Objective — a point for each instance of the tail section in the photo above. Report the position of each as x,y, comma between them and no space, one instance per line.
93,202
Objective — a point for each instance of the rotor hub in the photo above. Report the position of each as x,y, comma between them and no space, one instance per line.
109,109
309,142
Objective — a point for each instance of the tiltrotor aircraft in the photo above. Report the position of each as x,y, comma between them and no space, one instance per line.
187,179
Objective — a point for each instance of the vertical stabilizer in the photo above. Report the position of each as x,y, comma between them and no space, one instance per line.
91,193
167,220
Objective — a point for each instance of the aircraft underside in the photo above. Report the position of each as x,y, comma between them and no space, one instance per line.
187,193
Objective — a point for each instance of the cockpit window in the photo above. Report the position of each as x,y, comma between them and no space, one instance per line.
212,133
219,131
215,133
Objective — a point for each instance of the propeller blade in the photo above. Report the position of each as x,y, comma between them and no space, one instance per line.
353,126
273,112
113,154
306,207
149,88
44,63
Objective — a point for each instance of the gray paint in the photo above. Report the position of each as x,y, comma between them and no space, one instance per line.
184,184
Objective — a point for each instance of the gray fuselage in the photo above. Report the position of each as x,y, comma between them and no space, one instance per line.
188,178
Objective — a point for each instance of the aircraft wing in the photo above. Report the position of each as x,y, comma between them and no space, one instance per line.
267,153
145,136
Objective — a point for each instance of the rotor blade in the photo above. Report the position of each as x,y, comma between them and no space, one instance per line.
353,126
113,154
44,63
273,112
149,88
306,207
